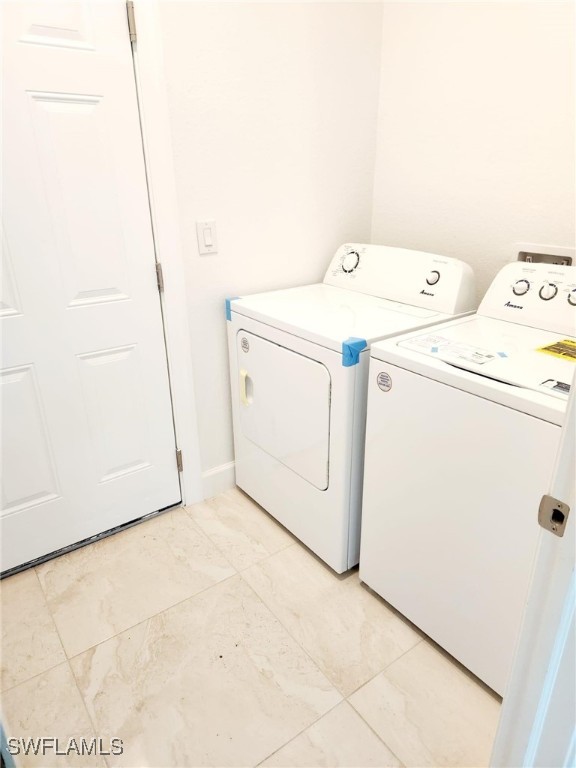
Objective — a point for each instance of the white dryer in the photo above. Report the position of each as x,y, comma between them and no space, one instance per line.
459,450
298,363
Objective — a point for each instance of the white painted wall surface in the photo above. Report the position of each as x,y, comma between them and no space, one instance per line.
476,129
273,110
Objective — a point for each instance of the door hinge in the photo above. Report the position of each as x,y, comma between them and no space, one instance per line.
553,514
179,462
160,277
131,20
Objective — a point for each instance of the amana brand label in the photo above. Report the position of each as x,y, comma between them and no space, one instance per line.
384,381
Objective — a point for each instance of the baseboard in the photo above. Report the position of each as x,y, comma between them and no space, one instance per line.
218,479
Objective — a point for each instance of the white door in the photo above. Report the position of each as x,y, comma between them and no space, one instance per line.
538,723
285,406
88,438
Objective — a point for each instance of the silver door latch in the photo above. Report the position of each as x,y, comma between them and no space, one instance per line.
553,514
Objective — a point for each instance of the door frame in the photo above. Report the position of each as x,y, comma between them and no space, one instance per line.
157,140
535,702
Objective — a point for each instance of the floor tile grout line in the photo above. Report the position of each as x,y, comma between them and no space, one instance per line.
290,634
257,562
33,677
268,556
49,609
320,717
209,538
85,705
385,667
220,549
342,693
53,666
361,716
66,663
153,616
198,527
421,640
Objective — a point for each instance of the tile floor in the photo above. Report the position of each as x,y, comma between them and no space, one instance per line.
208,636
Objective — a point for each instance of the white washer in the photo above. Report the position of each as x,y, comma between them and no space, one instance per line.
458,452
299,361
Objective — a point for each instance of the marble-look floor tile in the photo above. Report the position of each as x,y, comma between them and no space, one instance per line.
49,706
348,631
340,739
430,712
243,531
213,681
30,642
106,587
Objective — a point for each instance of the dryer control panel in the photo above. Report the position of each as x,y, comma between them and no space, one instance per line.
538,295
418,278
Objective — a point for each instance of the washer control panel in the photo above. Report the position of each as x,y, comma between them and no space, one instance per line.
417,278
538,295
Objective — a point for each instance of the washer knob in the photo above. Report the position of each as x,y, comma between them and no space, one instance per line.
548,291
572,297
350,261
521,287
433,277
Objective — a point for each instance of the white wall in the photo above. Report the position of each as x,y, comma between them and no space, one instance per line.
476,129
273,110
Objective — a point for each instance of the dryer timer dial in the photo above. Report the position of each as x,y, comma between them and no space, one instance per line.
433,277
572,297
350,261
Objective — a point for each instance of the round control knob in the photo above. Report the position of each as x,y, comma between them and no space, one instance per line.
433,277
521,287
350,261
548,291
572,297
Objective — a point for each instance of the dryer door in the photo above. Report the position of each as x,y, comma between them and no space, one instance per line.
285,406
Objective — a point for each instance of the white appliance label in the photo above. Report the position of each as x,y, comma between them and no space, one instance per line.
557,386
432,345
384,381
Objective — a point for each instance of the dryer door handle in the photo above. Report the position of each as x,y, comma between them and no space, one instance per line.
244,378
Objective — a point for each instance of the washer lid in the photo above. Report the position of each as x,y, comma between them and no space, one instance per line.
491,357
328,315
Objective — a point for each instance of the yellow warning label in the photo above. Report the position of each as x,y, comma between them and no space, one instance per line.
565,349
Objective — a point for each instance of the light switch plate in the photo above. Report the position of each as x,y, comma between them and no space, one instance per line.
207,239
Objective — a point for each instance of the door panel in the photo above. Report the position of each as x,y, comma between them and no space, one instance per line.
285,406
112,387
73,148
33,481
88,438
